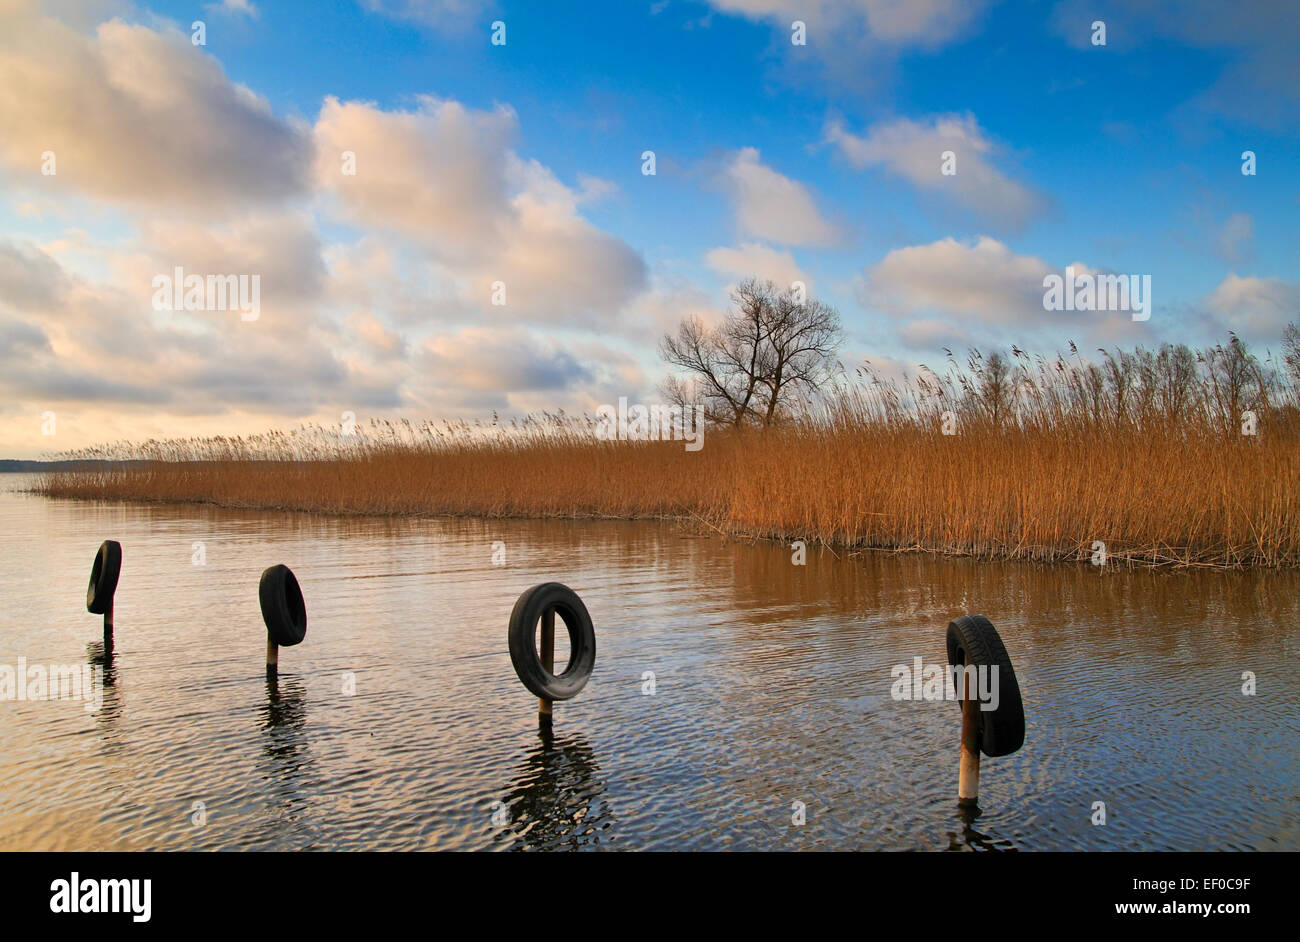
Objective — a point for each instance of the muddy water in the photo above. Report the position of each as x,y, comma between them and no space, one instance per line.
399,722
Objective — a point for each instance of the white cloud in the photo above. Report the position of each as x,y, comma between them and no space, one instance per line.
235,8
98,347
283,250
29,278
139,117
928,333
950,292
754,260
771,206
914,150
1255,307
925,23
443,15
437,174
670,298
984,280
517,371
445,177
371,331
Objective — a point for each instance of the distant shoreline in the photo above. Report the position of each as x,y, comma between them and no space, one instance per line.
36,466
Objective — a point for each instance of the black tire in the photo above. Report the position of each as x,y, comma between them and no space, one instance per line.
103,577
972,639
283,608
523,645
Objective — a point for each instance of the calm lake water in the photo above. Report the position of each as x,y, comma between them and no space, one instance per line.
772,686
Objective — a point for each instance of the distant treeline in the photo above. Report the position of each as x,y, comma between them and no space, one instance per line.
17,466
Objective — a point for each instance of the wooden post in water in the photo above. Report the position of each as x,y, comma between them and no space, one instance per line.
272,659
546,651
108,627
968,780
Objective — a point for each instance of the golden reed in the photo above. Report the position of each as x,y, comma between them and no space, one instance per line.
1044,463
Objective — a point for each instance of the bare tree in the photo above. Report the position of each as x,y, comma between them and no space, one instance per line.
1234,379
1120,371
1291,353
993,389
746,369
1175,380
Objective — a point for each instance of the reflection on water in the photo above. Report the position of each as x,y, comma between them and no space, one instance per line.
99,655
557,799
970,837
769,724
287,769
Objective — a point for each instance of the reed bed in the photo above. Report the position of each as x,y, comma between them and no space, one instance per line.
1145,452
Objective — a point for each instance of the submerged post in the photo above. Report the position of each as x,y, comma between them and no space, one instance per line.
272,658
546,652
108,627
968,778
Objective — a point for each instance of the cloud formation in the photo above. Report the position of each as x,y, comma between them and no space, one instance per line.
982,280
139,117
957,294
446,177
1255,306
752,259
771,206
914,151
445,15
924,23
442,204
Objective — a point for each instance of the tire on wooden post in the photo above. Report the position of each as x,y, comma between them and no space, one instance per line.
104,573
283,608
528,611
972,639
284,611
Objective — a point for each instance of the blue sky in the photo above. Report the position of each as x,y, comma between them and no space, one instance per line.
1112,135
772,159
